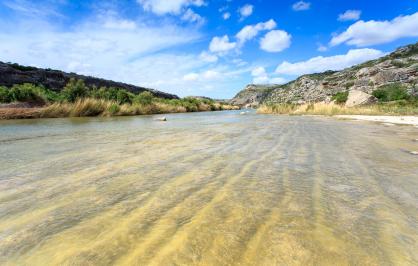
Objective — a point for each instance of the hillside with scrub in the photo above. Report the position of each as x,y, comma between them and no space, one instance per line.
387,85
77,99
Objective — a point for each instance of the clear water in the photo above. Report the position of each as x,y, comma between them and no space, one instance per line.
207,189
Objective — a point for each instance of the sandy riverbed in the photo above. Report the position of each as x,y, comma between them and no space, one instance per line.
403,120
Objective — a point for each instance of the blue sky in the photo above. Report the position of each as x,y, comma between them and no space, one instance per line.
202,47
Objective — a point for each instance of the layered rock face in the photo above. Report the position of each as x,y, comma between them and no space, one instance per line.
400,66
251,96
11,74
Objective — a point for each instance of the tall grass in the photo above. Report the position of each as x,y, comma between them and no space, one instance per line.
77,99
99,107
395,108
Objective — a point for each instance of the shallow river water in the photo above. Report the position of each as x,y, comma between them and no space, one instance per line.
214,188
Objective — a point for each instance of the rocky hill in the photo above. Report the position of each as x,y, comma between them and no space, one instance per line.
400,66
11,74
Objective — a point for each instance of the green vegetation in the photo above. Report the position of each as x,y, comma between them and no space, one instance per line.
77,99
340,97
320,76
22,68
392,92
349,84
392,108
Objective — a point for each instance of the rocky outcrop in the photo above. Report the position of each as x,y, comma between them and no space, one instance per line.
400,66
356,98
11,74
251,96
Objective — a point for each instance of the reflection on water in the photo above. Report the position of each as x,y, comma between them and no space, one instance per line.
207,189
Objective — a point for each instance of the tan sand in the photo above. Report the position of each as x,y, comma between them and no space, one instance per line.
403,120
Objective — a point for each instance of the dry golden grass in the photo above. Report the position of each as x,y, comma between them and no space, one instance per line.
334,109
97,107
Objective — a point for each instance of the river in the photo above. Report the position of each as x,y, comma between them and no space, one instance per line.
216,188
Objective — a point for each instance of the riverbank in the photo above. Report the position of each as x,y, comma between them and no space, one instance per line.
97,107
400,120
78,100
400,108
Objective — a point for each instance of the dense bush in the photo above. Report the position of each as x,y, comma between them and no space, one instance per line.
340,97
4,95
144,98
391,92
74,90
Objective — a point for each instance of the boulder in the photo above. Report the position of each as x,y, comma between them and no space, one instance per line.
356,97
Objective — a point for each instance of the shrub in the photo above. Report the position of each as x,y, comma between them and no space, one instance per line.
123,96
349,84
391,92
75,89
398,63
340,97
144,98
4,95
26,93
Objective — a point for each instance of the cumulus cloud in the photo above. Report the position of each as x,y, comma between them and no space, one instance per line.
350,15
161,7
374,32
301,5
275,41
336,62
246,10
250,31
191,16
221,44
260,76
226,15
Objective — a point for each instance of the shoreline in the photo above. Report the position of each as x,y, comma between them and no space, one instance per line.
398,120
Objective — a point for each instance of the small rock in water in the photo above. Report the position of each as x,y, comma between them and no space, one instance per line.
414,152
161,119
242,113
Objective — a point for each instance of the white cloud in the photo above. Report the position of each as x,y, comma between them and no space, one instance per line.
260,76
322,48
374,32
221,44
277,80
350,15
226,15
191,16
301,5
33,8
100,48
203,76
250,31
191,77
336,62
275,41
258,71
119,24
246,10
208,57
161,7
